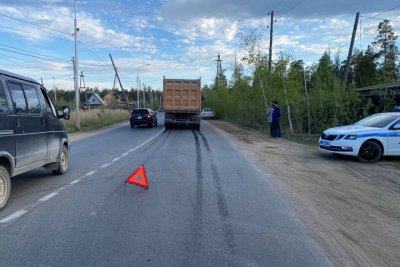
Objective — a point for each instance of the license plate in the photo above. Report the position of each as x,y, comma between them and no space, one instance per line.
324,143
139,117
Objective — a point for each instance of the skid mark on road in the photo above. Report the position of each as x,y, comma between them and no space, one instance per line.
10,219
208,148
223,209
221,200
198,209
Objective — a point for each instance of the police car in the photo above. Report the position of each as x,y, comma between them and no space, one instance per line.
368,139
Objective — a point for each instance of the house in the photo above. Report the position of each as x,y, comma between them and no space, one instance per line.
117,97
380,89
94,101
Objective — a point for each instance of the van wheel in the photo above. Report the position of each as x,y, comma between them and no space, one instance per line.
370,152
5,187
63,161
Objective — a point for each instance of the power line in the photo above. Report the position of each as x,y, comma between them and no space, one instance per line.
278,4
29,54
342,29
395,7
93,53
95,65
291,8
19,65
34,33
59,76
379,19
38,25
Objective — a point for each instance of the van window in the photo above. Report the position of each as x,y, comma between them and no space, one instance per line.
49,105
18,98
32,99
3,100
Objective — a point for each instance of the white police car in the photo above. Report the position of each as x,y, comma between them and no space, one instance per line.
368,139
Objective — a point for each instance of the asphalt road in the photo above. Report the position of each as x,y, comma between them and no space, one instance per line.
207,205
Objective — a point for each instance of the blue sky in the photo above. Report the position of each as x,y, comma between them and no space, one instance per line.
177,38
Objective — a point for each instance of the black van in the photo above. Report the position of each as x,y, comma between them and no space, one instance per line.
31,132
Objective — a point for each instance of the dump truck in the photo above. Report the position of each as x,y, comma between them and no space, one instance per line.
182,102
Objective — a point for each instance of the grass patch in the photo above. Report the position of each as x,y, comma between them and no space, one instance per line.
96,118
304,139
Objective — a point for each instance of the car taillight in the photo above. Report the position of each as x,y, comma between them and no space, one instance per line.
148,116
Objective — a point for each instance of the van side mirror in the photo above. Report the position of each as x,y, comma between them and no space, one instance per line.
66,113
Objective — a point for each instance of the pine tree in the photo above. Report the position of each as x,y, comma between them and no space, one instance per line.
385,41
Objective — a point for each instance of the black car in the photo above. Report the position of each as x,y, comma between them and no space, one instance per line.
143,116
31,132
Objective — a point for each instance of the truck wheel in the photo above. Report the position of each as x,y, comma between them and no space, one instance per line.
63,161
5,187
167,126
370,152
196,127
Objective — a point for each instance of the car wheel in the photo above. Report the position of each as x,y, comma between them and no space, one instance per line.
63,161
370,152
155,124
5,187
132,125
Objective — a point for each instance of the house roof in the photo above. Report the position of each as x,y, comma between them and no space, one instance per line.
99,98
119,95
371,90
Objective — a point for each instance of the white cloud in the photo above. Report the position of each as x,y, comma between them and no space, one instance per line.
186,41
91,30
139,23
205,28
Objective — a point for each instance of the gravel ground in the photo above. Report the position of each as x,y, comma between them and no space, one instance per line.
351,209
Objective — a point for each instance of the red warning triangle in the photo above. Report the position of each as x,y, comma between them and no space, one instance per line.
138,178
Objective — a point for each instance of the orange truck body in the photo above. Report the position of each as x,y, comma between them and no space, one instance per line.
182,102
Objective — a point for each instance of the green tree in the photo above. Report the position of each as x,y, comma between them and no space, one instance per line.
385,42
365,68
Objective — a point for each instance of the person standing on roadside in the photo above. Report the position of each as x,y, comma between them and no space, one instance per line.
276,116
270,110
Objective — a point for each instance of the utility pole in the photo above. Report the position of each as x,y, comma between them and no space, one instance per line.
271,32
219,70
137,91
55,92
346,72
144,97
84,87
308,102
120,84
76,29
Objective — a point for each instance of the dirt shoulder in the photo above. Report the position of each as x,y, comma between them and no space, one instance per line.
84,134
351,209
